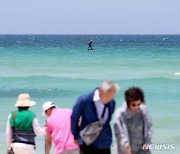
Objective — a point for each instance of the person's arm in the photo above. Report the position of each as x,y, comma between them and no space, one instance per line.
37,128
48,144
121,132
148,139
8,133
76,114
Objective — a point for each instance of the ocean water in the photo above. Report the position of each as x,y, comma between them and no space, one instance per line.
59,68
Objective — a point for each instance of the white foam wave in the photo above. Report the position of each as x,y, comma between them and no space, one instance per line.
164,39
178,73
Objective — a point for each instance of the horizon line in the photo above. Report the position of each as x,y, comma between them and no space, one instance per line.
84,34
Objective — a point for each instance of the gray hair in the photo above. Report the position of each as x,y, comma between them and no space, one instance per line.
109,85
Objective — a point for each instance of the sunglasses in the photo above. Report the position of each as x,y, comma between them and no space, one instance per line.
134,105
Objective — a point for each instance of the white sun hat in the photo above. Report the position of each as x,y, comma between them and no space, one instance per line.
24,100
46,106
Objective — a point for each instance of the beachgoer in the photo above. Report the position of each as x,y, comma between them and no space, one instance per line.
59,130
22,127
89,109
133,125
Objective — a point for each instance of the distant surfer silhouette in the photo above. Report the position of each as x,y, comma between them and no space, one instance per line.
90,45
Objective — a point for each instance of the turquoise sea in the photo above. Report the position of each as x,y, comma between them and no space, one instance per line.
59,68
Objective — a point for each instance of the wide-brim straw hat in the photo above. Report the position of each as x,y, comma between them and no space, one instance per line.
24,100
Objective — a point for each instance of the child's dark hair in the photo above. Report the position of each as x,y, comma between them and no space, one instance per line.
23,108
134,94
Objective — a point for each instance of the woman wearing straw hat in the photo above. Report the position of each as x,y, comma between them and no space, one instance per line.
22,127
